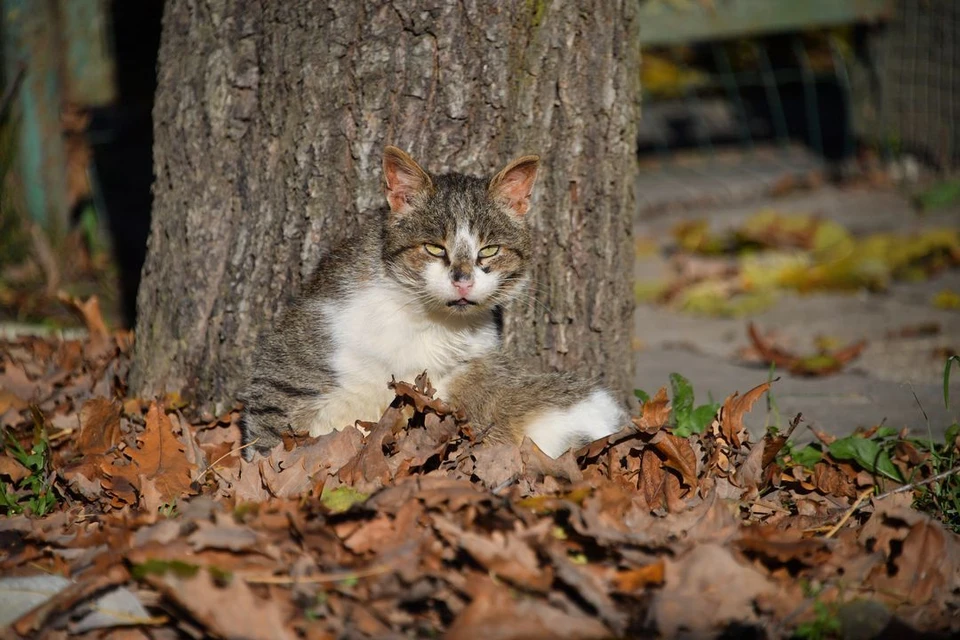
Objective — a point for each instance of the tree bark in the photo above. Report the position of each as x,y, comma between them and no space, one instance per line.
270,120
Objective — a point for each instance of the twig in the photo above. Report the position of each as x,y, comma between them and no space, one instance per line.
914,485
228,453
846,516
794,424
503,485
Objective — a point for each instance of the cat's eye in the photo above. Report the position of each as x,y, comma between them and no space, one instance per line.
435,250
489,252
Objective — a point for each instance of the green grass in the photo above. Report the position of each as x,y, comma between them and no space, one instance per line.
35,493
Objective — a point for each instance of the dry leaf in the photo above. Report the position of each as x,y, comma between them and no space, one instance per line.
820,365
12,469
161,457
706,589
99,426
679,456
99,337
504,555
655,413
496,614
731,414
227,611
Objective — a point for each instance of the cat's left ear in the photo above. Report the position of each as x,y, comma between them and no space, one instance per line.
403,179
514,185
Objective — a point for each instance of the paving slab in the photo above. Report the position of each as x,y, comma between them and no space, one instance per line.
896,379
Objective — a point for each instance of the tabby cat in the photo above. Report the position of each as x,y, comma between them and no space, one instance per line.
420,289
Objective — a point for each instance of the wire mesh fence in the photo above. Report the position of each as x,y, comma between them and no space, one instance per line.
916,58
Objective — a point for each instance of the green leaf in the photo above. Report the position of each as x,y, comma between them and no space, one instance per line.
342,498
952,432
682,393
886,432
9,501
641,395
703,416
946,379
866,453
807,456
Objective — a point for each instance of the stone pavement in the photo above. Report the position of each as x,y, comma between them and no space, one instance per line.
892,380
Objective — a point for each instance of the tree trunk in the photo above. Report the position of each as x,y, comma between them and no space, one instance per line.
270,121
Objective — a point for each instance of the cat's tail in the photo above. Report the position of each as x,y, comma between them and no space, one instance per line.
558,411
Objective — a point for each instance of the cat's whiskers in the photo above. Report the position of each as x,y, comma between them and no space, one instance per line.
520,294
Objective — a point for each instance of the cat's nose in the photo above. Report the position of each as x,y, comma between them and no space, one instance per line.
463,287
462,281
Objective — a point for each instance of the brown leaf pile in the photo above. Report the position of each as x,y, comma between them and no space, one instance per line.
419,529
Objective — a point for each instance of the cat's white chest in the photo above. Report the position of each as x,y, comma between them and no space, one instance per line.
379,332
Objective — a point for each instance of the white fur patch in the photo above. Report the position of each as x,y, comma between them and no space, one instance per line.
557,430
465,241
379,332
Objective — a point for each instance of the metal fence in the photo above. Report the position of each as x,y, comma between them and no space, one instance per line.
917,56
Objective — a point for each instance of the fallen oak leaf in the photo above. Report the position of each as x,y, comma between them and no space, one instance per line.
655,413
161,457
421,400
678,455
731,413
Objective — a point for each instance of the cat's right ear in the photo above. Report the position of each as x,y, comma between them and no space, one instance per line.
403,179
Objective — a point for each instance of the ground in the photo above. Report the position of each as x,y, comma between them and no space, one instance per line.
879,385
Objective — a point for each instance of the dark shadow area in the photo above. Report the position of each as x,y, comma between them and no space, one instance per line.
122,139
769,92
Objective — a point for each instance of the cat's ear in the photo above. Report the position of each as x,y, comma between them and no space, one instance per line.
403,179
514,184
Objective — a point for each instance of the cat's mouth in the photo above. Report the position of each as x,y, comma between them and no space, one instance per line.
461,302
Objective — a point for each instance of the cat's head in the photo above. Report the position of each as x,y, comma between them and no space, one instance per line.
457,243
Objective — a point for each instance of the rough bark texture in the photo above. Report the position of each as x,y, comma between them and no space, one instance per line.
270,121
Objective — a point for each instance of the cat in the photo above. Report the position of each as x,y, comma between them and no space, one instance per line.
420,290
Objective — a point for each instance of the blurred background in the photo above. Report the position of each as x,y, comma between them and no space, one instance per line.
742,100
